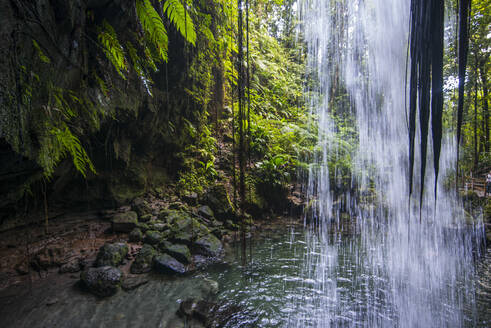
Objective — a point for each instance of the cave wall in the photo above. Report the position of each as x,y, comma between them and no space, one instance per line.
134,144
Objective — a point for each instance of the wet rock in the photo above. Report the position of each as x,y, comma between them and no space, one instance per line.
209,287
160,226
141,207
143,260
205,211
71,267
145,218
177,206
103,281
124,222
198,309
191,198
219,201
178,251
131,283
208,245
136,235
182,237
165,263
111,254
152,237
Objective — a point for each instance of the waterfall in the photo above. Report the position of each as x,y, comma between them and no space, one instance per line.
401,268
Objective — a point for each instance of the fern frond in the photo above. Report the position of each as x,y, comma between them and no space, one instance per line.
71,144
153,26
180,17
112,48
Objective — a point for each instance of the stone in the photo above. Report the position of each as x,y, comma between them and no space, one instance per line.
198,309
177,206
208,245
111,254
143,260
191,198
71,267
152,237
219,201
103,281
178,251
136,235
182,237
145,218
205,211
141,207
124,222
166,264
160,226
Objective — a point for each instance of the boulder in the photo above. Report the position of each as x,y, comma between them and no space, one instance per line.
71,267
165,263
208,245
178,251
136,235
141,207
111,254
198,309
103,281
152,237
219,201
124,222
145,218
143,260
205,211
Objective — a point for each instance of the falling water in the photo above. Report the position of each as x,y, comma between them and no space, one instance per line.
408,267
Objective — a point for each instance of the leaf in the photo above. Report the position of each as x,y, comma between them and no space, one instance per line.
112,48
153,26
179,16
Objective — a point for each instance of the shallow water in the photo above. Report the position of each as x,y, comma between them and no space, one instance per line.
274,290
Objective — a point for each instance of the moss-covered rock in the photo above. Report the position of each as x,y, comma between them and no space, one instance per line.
136,235
145,218
208,245
143,260
166,264
141,207
178,251
124,222
111,254
103,281
152,237
205,211
219,201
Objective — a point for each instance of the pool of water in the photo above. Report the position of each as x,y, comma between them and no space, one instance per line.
274,288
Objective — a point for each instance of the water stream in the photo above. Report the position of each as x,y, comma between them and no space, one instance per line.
416,263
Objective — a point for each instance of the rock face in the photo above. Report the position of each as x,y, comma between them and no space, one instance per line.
219,201
111,254
167,264
124,222
144,259
178,251
209,245
103,281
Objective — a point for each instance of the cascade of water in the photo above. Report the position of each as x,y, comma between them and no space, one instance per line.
405,268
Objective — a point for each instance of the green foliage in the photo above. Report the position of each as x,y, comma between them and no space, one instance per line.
58,144
153,26
178,15
112,48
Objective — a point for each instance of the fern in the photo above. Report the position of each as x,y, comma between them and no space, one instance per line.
179,16
112,48
153,26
